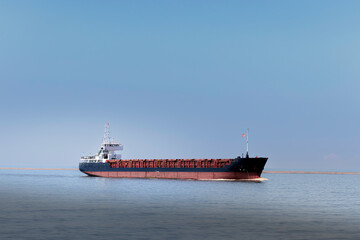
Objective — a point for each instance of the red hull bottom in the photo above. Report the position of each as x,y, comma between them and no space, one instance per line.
179,175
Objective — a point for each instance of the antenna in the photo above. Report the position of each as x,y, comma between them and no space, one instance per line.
247,144
106,138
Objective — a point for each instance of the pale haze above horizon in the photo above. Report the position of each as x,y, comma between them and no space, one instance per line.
181,79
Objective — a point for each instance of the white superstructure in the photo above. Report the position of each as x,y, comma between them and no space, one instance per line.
107,149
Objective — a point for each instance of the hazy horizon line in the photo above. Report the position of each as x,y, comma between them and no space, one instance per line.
288,172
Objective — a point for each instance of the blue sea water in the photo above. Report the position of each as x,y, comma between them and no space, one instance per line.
40,204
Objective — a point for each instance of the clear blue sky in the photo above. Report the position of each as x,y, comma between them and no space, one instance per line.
181,79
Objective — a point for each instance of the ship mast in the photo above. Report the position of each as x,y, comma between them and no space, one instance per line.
247,144
106,138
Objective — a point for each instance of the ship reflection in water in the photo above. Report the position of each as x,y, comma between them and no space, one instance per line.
69,205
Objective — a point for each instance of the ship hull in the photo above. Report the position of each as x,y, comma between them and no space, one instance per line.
239,169
176,175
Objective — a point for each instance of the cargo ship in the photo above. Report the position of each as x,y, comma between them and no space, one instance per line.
108,163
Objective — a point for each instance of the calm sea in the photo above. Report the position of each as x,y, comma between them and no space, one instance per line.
68,205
